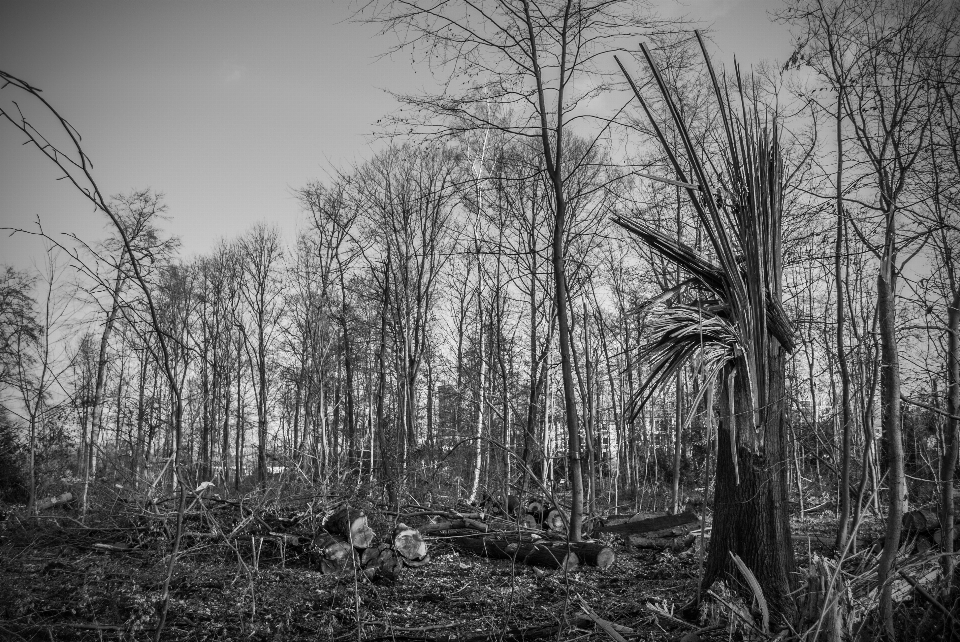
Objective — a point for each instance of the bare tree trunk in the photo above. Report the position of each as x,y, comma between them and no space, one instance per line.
677,444
591,417
386,455
566,368
239,428
843,522
481,402
96,412
225,436
351,410
261,406
951,439
141,415
890,404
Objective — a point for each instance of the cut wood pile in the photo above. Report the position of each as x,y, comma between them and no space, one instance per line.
922,527
342,543
662,531
532,537
347,546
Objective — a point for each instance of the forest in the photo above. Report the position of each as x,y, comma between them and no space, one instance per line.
608,340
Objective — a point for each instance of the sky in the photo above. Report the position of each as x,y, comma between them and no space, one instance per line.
226,107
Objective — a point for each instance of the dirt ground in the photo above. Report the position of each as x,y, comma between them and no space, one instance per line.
60,580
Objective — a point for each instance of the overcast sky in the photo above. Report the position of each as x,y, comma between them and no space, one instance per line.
225,107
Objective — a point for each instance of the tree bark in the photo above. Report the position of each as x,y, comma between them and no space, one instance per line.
751,510
948,463
96,413
890,405
843,522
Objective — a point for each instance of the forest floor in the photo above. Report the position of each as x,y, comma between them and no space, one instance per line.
60,580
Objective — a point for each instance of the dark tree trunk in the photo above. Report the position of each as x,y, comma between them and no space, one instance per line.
351,416
951,441
751,517
892,430
843,522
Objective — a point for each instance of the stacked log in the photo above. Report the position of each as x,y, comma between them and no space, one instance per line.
381,562
525,545
923,526
50,502
351,524
660,531
348,547
333,554
554,521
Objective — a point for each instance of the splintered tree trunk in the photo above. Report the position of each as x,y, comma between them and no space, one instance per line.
750,508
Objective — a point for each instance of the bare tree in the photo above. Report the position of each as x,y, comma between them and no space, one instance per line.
880,57
542,61
260,257
410,194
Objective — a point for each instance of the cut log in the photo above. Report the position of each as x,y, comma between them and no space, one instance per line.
920,521
352,524
589,553
614,520
938,535
409,544
554,521
454,524
381,562
675,544
529,521
653,525
495,503
50,502
439,527
333,554
529,554
546,556
536,507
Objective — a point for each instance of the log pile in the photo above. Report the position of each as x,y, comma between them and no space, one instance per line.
922,527
351,524
347,547
499,538
660,531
